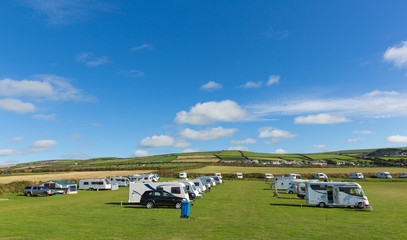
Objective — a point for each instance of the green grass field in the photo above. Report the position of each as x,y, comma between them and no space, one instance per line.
235,210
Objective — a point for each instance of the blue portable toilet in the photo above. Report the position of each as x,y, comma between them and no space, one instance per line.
185,209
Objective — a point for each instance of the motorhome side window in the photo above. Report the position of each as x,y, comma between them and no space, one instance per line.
351,191
85,183
175,190
196,184
318,187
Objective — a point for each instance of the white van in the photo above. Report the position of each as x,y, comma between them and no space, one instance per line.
239,175
403,175
356,175
268,176
325,194
383,175
121,181
183,175
96,184
136,189
320,176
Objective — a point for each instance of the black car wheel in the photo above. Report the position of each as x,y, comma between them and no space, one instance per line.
321,204
149,204
28,194
45,194
178,205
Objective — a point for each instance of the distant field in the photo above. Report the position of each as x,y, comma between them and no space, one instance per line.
234,210
196,158
68,175
283,170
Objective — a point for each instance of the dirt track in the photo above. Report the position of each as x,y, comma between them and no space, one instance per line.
68,175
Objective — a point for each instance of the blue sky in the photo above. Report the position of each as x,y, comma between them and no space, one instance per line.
83,79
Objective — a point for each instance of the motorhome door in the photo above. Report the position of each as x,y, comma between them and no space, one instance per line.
336,195
330,194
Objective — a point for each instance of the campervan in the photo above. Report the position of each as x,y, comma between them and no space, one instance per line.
294,185
96,184
143,177
218,180
403,175
335,194
282,183
239,175
268,176
383,175
190,187
136,189
201,186
183,175
218,175
356,175
121,181
294,175
209,181
320,176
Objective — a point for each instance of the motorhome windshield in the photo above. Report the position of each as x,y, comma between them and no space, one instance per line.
352,191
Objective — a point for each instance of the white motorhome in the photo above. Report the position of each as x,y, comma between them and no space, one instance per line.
209,181
120,181
218,180
218,175
97,184
183,175
190,187
143,177
282,183
268,176
199,185
403,175
383,175
136,189
294,175
335,194
320,176
239,175
294,185
356,175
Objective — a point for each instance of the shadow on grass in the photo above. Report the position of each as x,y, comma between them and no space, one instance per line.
136,206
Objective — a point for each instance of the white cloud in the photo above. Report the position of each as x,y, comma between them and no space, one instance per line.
383,93
44,143
397,139
320,119
42,87
270,132
141,153
163,141
145,46
210,134
397,55
245,141
211,86
15,105
65,12
239,148
319,146
190,150
251,84
7,152
75,136
280,151
133,73
370,104
273,141
16,139
363,132
210,112
77,156
355,140
45,117
91,60
273,79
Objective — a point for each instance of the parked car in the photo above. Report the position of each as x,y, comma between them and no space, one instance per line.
38,190
160,198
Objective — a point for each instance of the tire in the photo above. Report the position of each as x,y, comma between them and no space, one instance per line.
149,204
28,194
290,192
45,194
360,205
321,205
178,205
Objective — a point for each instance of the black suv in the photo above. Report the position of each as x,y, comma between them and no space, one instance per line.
160,198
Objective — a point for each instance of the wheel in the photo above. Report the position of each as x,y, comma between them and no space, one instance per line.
178,205
360,205
149,204
45,194
321,204
28,194
290,192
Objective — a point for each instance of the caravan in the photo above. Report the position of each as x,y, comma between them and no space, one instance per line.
136,189
268,176
191,188
403,175
282,183
320,176
356,175
97,184
121,181
383,175
335,194
199,184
